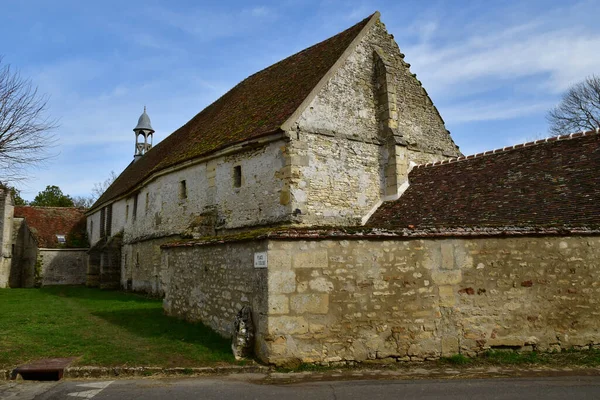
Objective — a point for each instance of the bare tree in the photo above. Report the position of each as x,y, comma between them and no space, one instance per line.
25,131
83,201
579,109
100,187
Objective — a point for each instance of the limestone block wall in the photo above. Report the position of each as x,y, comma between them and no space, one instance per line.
212,283
355,141
211,198
354,300
334,181
24,255
6,236
141,267
63,266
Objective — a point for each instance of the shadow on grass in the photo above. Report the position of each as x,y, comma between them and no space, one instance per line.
82,292
152,323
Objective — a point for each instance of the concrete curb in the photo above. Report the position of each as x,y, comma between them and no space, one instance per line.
122,372
86,372
270,375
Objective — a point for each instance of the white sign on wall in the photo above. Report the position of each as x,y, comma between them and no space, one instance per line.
260,259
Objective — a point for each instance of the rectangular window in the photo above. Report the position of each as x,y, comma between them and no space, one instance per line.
91,229
182,190
109,220
102,222
147,202
135,201
237,176
127,213
61,239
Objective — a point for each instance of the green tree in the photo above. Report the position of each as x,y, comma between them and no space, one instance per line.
52,196
16,193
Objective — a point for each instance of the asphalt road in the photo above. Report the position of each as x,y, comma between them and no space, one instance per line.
570,388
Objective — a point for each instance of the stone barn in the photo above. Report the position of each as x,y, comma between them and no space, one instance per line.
326,193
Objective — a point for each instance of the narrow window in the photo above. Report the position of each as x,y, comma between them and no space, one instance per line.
147,201
135,201
127,213
109,220
237,176
91,229
182,190
102,221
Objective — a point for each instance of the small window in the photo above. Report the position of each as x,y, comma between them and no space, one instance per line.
237,176
127,213
61,239
182,190
91,229
135,204
147,201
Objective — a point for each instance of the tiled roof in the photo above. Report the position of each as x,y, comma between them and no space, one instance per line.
47,222
256,107
543,184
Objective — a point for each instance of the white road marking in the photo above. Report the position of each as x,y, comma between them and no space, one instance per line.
96,385
88,394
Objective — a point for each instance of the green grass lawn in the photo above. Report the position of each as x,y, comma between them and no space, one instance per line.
104,328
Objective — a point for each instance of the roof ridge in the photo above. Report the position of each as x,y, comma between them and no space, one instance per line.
573,135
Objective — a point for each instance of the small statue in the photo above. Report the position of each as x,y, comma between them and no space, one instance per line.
242,342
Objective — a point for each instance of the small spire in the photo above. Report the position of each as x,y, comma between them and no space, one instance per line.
144,108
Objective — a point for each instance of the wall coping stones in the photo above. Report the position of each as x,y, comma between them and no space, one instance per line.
514,147
362,233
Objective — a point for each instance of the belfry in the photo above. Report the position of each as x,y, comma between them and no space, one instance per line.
143,130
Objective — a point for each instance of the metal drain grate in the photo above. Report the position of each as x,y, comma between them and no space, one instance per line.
49,369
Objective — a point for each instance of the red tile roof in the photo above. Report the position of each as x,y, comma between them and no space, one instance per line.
47,222
543,184
256,107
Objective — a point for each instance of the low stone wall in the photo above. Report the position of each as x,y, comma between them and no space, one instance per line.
63,266
355,300
212,283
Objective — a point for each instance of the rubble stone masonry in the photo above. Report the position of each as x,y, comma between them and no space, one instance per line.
356,300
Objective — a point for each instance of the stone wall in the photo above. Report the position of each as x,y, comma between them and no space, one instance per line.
6,236
63,266
23,267
354,300
356,140
212,283
211,200
141,268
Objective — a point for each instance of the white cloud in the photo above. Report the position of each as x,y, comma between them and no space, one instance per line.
492,111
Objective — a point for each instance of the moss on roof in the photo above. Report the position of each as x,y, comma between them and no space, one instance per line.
256,107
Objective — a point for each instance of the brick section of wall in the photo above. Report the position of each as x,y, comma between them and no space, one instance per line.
355,300
212,283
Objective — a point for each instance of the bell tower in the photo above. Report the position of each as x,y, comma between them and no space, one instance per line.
143,136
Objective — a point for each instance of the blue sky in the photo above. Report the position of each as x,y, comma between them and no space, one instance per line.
493,68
